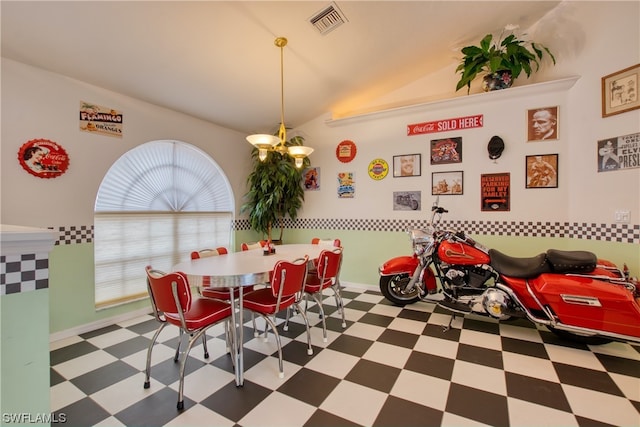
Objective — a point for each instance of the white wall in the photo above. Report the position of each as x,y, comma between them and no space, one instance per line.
39,104
583,39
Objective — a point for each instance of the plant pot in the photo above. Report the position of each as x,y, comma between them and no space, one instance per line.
496,81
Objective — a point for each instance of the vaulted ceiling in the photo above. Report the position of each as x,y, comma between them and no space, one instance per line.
216,60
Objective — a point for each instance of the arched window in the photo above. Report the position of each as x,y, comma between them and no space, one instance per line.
156,204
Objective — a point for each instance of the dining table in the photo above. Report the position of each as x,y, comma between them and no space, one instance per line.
243,269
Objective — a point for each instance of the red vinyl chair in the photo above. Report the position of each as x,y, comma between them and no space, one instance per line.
254,245
326,276
285,291
172,304
220,293
324,242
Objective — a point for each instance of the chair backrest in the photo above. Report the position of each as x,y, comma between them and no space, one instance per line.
169,292
326,242
288,277
253,245
329,263
204,253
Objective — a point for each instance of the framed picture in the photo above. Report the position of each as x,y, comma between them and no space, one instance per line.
447,183
620,91
407,200
406,165
495,192
447,150
541,171
542,124
311,178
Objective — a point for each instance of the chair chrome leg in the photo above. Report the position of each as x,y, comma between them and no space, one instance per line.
204,344
183,364
147,382
306,323
339,302
318,299
177,356
275,332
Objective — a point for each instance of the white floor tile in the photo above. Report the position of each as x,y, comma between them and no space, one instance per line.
570,356
277,410
480,377
530,366
112,338
480,339
354,402
519,332
64,394
267,374
437,346
386,310
364,330
527,414
458,421
601,407
124,393
333,363
199,416
408,325
207,380
55,345
83,364
630,386
422,389
387,354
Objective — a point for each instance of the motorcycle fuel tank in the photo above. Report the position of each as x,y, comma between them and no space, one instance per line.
589,303
461,254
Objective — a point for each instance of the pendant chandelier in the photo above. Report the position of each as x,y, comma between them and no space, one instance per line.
264,142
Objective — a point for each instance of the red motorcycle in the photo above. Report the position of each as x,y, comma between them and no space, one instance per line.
573,293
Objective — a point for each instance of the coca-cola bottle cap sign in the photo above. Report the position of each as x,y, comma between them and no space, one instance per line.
43,158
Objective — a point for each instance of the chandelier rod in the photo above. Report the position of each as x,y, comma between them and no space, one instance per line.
281,42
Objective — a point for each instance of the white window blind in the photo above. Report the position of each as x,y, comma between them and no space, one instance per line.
155,205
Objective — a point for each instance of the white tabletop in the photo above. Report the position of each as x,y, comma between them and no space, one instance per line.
244,268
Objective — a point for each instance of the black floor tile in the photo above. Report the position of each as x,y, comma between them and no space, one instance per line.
298,386
376,319
359,305
487,326
71,352
383,380
420,316
144,327
100,331
538,391
351,345
527,348
55,377
155,410
620,365
296,352
128,347
586,378
103,377
168,371
84,412
235,402
587,422
437,331
400,412
322,418
429,364
398,338
480,356
487,408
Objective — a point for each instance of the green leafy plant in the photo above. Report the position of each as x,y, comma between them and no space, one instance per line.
505,54
275,190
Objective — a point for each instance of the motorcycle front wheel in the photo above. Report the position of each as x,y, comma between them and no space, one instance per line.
392,287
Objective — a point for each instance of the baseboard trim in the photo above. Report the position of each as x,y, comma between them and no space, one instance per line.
102,323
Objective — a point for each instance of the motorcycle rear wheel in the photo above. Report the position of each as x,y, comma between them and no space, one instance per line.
392,288
583,339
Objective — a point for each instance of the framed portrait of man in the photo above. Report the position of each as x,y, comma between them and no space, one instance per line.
407,165
543,124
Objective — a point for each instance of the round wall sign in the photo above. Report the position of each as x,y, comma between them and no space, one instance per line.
346,151
378,169
43,158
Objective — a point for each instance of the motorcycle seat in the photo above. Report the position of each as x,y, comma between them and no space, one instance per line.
522,268
571,261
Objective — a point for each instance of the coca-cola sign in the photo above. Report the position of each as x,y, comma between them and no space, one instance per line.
43,158
454,124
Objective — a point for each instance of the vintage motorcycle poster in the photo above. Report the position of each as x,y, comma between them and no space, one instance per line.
495,191
407,200
622,152
448,150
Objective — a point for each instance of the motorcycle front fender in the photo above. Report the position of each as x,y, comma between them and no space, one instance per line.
401,264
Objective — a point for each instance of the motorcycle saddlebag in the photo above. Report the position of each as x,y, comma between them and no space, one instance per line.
587,302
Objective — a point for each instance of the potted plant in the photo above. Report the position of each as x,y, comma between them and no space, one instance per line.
275,190
503,60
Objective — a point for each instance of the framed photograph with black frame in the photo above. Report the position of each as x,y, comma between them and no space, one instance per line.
541,171
447,183
620,91
407,165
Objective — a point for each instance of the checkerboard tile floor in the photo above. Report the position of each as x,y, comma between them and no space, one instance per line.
391,366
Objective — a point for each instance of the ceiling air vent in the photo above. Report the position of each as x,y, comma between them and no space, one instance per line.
328,19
